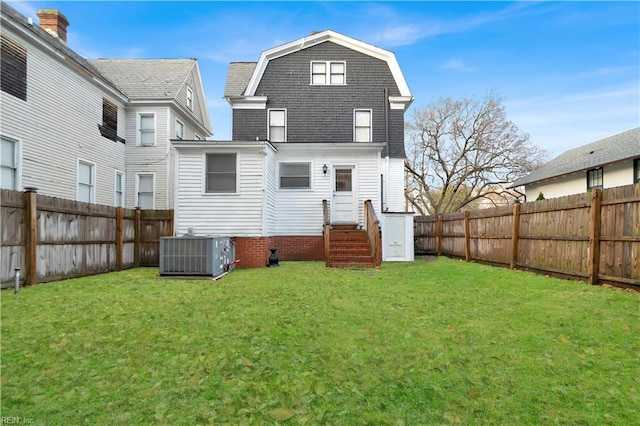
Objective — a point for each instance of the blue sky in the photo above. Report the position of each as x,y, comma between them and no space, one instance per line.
568,72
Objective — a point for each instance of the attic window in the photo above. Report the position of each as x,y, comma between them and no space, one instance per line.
189,98
328,73
109,126
13,72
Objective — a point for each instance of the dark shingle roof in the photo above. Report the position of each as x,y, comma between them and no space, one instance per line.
238,77
605,151
146,78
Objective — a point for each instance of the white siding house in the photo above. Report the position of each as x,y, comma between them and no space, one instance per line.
607,163
59,148
297,143
71,127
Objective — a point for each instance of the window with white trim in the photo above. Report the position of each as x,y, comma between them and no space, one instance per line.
594,179
179,130
362,125
328,73
189,98
636,170
295,175
145,191
221,173
9,164
277,125
119,190
86,181
147,129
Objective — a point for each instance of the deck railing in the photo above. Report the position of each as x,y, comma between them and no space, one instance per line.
326,230
374,234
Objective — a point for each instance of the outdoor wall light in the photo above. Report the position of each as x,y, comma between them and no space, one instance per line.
324,169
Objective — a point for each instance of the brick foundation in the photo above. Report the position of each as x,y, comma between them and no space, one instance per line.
253,252
299,248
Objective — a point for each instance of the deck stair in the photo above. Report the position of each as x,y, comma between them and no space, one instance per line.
349,247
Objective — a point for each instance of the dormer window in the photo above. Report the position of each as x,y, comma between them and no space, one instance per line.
328,73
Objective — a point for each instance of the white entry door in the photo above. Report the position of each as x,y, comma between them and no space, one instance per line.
344,206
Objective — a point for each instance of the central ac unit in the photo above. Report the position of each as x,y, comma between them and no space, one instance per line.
210,256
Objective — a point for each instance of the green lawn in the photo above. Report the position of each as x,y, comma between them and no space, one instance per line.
420,343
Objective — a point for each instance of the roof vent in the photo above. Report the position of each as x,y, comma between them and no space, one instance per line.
591,152
53,22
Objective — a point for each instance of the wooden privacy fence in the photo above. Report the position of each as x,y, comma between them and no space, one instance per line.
592,236
53,238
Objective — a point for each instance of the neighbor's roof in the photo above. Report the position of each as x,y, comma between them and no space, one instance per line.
146,78
11,14
238,77
616,148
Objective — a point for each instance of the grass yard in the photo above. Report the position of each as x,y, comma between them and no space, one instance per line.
422,343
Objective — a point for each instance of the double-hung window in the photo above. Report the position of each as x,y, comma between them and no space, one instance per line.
145,191
328,73
221,173
179,130
119,190
9,164
190,98
86,181
147,129
594,179
277,125
295,175
362,125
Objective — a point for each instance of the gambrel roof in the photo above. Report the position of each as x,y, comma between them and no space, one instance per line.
622,146
238,71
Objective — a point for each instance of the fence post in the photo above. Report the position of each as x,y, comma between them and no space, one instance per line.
31,235
119,238
439,235
172,223
515,236
137,249
594,236
467,237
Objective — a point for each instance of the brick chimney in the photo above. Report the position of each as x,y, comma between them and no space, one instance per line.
53,22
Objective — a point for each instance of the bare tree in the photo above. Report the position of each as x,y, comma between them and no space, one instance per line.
463,150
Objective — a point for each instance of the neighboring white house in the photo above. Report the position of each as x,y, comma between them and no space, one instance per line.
93,131
166,101
319,118
607,163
